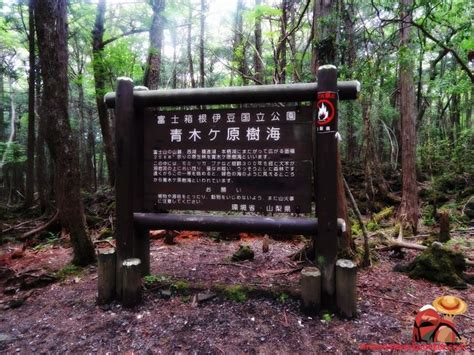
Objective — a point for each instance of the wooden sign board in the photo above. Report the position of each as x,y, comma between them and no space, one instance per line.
241,160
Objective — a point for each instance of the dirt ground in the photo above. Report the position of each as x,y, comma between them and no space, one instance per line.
63,316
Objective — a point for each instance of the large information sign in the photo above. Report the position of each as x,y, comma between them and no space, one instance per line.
242,160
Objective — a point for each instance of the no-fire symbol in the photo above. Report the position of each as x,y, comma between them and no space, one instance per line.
325,112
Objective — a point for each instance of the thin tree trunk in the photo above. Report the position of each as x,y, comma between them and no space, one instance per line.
189,47
239,48
409,209
351,145
152,72
99,81
174,40
30,161
201,44
41,168
280,55
51,27
257,56
89,154
2,110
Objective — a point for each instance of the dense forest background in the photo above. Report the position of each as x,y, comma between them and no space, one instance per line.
410,134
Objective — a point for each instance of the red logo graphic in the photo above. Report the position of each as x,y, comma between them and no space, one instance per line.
325,112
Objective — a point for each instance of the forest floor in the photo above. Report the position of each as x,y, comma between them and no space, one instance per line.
63,316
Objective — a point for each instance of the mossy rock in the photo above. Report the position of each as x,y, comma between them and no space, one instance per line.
440,265
243,253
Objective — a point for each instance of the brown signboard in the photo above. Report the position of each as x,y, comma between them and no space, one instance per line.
242,160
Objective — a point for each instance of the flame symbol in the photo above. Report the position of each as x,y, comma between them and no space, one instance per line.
323,113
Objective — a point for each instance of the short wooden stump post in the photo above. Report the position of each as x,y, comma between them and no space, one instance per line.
106,275
310,282
131,282
346,287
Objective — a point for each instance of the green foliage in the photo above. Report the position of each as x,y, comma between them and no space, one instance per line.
327,317
69,270
283,297
153,279
51,239
180,286
235,293
372,226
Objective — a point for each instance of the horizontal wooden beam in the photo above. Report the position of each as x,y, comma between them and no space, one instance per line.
207,223
348,90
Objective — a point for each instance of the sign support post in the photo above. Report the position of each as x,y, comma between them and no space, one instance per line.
325,240
124,182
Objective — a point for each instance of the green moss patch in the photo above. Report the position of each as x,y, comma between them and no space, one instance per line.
440,265
243,253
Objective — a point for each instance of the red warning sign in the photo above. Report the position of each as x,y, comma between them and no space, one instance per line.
325,108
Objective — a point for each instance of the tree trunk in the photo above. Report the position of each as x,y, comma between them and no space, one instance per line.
2,110
174,40
89,154
189,47
99,81
280,55
351,142
82,146
324,34
257,56
152,72
409,210
201,44
30,161
324,52
51,27
41,168
239,47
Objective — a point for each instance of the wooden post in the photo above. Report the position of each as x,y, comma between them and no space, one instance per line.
310,282
141,240
325,240
106,275
124,182
346,288
132,284
444,227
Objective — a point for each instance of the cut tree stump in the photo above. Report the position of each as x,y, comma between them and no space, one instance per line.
310,290
346,287
444,227
106,275
131,282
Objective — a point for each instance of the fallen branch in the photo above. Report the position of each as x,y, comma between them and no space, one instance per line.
40,228
17,226
366,261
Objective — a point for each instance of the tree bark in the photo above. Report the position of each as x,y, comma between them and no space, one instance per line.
257,56
153,67
30,161
41,167
99,81
2,110
51,28
409,209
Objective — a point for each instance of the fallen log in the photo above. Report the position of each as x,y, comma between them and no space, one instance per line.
395,244
40,228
